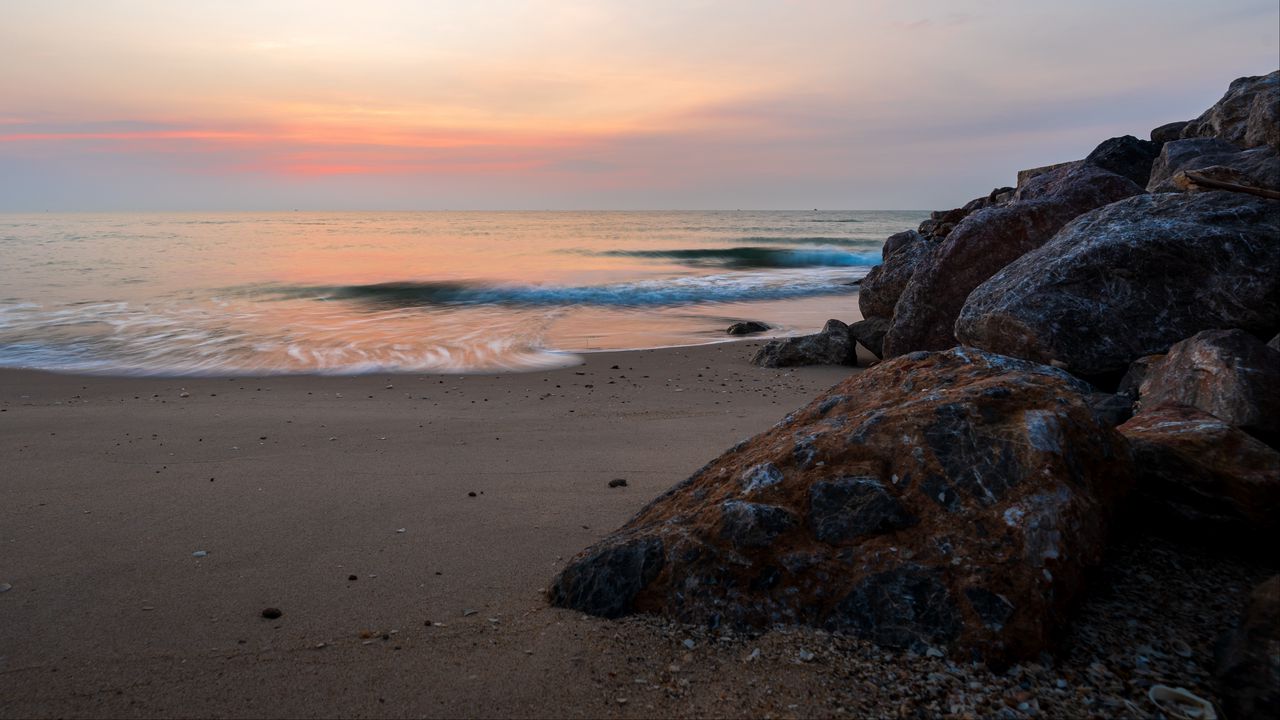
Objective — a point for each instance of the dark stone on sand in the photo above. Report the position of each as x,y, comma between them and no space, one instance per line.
832,346
748,327
988,240
1248,661
271,613
1132,278
870,334
1126,156
953,498
617,483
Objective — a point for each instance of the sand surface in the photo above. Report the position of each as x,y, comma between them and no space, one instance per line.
294,484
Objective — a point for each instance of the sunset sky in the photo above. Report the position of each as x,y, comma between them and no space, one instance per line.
379,104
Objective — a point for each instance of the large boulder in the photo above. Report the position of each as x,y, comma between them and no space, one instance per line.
988,240
831,346
1204,474
1229,374
954,498
1168,132
1131,279
1259,166
1127,156
1248,662
1248,115
880,289
942,222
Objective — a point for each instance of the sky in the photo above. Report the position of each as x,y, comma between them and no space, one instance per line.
537,104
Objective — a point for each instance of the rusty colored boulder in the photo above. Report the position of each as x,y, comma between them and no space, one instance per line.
1248,662
1229,374
1201,471
955,498
1131,279
880,289
986,241
831,346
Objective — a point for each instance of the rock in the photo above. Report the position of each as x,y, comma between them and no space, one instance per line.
1248,115
1110,409
748,327
1229,374
883,285
832,346
1025,176
1126,156
1275,343
1131,279
271,613
618,482
870,334
1259,166
953,498
942,222
1168,132
1197,469
900,240
1137,372
1248,667
986,241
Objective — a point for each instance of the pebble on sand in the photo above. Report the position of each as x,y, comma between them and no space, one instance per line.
271,613
618,482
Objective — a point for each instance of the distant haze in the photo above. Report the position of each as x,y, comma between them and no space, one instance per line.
379,104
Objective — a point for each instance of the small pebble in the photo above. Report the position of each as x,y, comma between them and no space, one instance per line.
5,587
353,578
689,643
471,494
805,655
400,530
271,613
618,482
469,612
200,553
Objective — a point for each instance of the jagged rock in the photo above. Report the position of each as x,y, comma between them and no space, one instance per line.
1025,176
1198,469
942,222
900,240
1248,115
748,327
1229,374
1261,166
1131,279
953,498
986,241
870,333
1168,132
1137,372
832,346
1248,662
883,285
1126,156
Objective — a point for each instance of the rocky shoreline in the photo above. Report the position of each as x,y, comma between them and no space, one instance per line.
1092,351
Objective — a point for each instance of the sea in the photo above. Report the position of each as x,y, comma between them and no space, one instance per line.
463,292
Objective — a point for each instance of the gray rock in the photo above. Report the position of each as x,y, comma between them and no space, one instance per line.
986,241
748,327
882,286
849,508
900,240
1229,374
832,346
753,525
1248,115
606,582
1126,156
908,607
870,334
1131,279
1275,343
1260,165
1168,132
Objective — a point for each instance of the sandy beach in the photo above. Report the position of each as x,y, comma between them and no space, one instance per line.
406,527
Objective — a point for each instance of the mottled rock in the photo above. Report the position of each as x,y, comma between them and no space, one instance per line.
1248,115
832,346
986,241
953,498
1131,382
883,285
896,241
1126,156
1229,374
1199,470
870,334
1248,662
748,327
1259,166
1168,132
1131,279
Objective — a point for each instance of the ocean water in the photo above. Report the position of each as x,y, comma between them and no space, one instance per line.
302,292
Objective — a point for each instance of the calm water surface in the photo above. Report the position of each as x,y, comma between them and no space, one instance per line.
440,291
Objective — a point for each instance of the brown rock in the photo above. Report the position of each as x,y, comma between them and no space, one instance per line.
882,286
953,498
1196,468
985,242
1229,374
832,346
1248,115
1248,670
1137,372
1131,279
